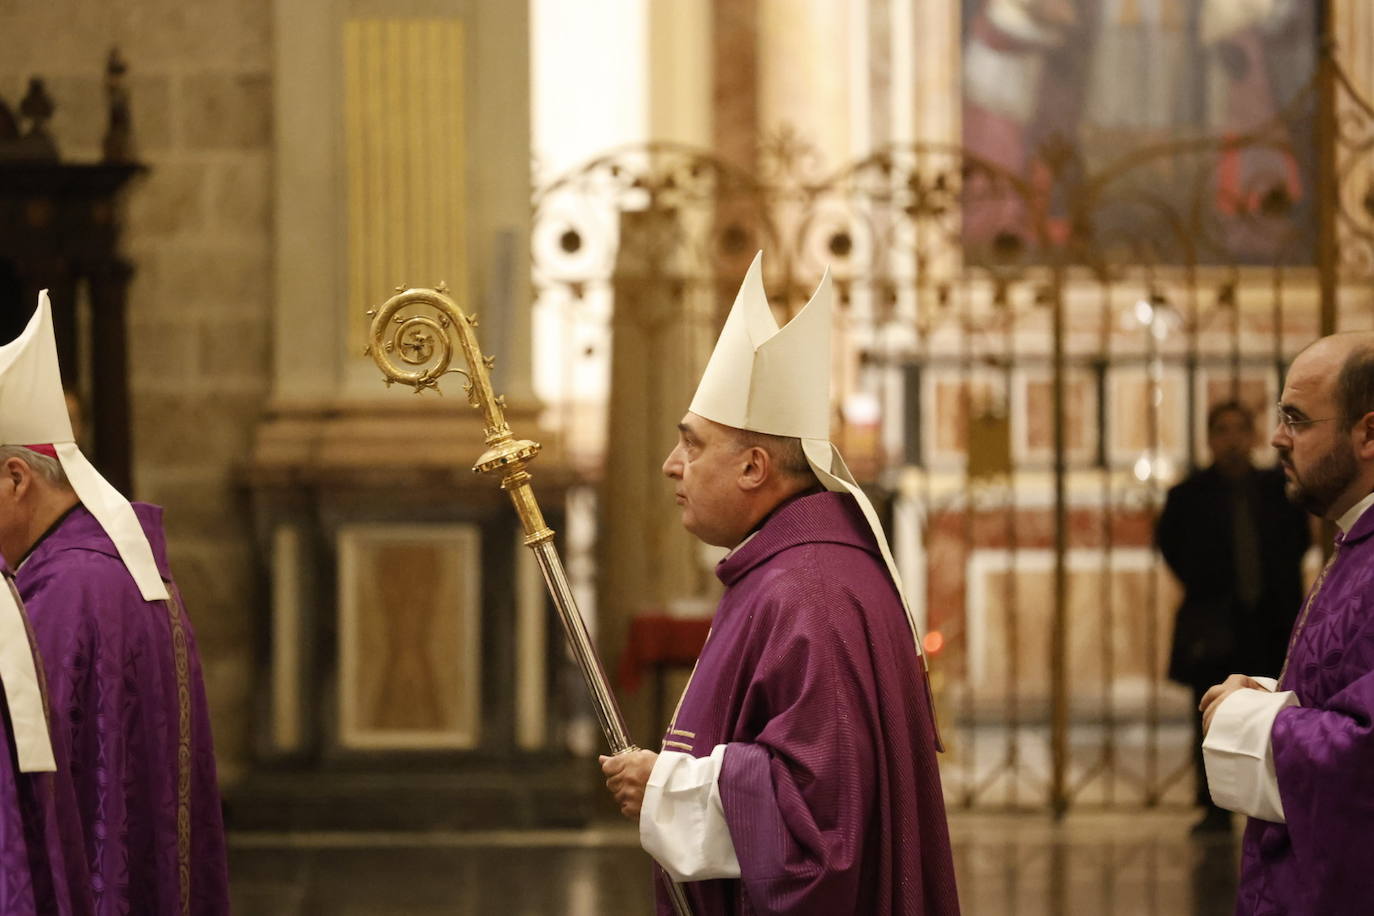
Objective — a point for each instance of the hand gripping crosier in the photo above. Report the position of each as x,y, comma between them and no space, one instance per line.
411,340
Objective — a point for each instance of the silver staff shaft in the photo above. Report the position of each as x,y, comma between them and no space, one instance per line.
584,653
594,674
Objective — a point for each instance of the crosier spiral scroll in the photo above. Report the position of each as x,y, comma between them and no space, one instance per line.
411,340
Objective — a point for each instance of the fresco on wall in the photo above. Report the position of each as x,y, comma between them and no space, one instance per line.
1113,113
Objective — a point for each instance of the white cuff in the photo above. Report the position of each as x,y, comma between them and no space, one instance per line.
682,821
1239,756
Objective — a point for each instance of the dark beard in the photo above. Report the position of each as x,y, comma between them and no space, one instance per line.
1323,483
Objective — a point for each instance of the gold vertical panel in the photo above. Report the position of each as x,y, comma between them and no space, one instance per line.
406,194
287,564
410,663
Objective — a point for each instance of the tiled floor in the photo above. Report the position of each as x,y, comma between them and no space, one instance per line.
1129,863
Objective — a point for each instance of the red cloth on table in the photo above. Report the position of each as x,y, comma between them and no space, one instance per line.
657,639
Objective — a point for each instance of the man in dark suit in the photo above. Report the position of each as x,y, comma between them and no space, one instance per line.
1235,543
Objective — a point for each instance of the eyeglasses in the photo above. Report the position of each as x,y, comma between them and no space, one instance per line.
1292,424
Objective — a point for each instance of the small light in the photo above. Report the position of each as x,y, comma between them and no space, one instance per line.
1144,312
933,642
862,408
1143,469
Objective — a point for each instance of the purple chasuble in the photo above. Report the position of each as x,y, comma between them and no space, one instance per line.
1322,860
810,676
130,718
42,863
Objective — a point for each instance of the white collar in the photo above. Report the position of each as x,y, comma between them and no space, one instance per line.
731,552
1352,515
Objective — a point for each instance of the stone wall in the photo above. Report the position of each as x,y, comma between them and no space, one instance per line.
198,231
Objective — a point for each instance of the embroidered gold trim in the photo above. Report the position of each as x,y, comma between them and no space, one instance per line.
181,658
685,747
678,731
1306,607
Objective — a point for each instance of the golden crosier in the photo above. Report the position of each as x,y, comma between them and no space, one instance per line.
411,340
417,350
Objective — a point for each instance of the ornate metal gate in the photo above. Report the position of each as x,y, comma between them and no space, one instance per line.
1025,368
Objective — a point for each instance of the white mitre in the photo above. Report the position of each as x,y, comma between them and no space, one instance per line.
33,411
776,381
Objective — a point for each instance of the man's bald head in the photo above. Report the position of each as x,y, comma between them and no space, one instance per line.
1348,360
1325,434
1355,381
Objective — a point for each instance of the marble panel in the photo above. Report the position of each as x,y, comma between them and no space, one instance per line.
1120,616
1146,415
1035,400
410,664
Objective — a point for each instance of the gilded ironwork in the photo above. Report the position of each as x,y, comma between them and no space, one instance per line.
1102,299
1103,334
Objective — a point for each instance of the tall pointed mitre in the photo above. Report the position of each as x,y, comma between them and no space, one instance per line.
776,381
33,412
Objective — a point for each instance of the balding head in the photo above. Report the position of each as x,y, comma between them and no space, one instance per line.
1341,365
1325,437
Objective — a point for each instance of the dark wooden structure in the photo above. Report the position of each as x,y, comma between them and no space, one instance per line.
59,230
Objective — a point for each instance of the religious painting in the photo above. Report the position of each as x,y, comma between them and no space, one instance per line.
1176,131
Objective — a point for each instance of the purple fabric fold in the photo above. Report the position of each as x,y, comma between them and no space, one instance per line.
42,866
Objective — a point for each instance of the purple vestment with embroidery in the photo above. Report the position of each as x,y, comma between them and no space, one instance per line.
810,675
1322,860
130,722
42,865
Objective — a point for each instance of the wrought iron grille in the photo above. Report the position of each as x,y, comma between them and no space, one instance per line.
1024,370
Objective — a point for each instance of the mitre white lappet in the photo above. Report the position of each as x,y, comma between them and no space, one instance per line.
775,380
33,412
23,695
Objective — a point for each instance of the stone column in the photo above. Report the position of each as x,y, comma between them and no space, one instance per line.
646,560
735,44
805,74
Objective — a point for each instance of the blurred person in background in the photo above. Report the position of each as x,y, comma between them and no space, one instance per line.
1235,543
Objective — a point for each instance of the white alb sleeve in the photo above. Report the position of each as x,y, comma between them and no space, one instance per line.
1239,756
682,821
